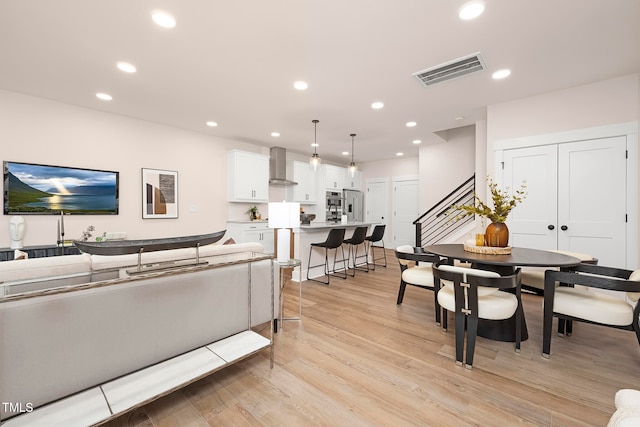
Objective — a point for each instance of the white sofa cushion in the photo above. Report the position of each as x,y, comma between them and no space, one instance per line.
35,268
628,409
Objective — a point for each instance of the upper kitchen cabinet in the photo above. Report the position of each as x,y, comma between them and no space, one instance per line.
247,177
334,177
306,190
353,182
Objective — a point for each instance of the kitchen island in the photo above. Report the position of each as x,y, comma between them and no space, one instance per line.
314,233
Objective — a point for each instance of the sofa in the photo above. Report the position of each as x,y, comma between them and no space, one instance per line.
627,412
59,335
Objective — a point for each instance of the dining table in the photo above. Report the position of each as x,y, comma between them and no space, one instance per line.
503,264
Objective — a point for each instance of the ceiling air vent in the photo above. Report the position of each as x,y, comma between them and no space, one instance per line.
451,70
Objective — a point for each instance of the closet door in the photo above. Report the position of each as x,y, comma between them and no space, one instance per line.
533,223
592,199
576,198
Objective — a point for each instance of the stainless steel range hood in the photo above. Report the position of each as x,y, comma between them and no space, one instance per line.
278,167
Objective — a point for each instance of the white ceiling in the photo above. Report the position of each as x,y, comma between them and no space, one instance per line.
234,62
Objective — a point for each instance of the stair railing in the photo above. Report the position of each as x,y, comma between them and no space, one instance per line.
439,222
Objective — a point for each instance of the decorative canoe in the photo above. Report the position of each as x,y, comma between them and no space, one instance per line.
122,247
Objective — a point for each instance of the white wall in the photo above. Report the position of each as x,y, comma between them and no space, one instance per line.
610,102
36,130
445,165
602,103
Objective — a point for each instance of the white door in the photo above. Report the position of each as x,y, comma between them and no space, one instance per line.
405,211
376,201
592,199
532,224
576,198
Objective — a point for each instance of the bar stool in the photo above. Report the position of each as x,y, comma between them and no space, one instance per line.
334,241
357,239
376,236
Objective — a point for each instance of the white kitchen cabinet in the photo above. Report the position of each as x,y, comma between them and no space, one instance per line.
353,182
306,190
247,177
334,177
244,232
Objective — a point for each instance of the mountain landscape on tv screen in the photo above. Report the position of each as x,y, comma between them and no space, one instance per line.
23,198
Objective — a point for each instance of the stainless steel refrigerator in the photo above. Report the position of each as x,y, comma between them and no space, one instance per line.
353,205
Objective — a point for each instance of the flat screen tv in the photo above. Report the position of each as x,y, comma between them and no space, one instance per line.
44,189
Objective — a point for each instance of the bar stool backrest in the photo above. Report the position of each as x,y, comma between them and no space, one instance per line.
378,233
359,234
335,238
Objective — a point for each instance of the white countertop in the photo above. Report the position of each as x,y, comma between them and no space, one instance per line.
320,225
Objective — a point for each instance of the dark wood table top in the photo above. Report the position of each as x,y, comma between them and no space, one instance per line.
520,257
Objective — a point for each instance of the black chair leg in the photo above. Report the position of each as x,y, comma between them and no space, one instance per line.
561,327
445,318
326,267
344,264
460,318
472,333
403,286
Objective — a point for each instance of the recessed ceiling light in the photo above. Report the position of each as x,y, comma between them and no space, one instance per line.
126,67
345,153
163,19
411,124
377,105
458,118
501,74
212,124
300,85
275,134
471,10
104,96
417,141
399,154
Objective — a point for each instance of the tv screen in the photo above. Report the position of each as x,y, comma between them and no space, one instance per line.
42,189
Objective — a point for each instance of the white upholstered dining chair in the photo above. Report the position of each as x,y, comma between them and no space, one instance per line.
474,294
575,300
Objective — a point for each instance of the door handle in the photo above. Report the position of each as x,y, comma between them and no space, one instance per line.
551,226
564,228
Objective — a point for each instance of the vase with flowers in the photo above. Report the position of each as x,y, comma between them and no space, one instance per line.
496,233
253,213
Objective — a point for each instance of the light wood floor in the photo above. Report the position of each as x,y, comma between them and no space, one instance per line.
358,359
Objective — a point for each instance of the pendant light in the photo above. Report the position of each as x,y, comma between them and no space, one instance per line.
315,158
352,166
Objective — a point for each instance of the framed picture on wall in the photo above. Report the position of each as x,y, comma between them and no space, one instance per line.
159,193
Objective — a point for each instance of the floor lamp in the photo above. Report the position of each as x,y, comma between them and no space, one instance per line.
284,216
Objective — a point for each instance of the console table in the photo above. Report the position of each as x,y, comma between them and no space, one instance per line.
6,254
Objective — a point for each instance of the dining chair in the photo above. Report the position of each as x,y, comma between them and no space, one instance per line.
575,300
415,270
533,277
474,294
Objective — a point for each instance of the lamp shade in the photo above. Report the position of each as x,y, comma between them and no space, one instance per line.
284,215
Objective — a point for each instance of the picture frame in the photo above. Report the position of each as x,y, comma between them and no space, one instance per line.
159,193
